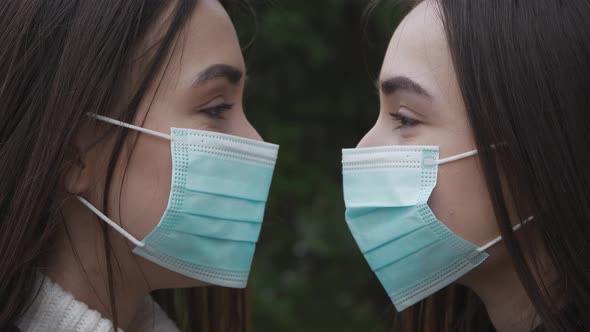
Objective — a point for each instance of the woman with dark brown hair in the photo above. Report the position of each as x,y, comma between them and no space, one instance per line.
470,197
103,199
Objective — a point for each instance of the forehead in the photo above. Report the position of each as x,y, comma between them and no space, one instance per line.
209,38
210,34
418,48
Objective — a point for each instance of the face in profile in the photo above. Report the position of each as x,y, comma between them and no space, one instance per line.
421,104
200,88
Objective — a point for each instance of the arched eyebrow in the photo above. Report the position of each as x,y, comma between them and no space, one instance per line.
219,71
402,83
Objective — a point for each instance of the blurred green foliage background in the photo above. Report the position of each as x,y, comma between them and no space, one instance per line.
312,67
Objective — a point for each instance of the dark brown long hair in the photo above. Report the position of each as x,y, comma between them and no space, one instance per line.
524,72
60,59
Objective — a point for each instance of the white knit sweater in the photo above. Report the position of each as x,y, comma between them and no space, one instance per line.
54,309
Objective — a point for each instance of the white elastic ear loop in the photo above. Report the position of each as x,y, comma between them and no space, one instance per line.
110,222
464,155
467,155
499,238
457,157
130,126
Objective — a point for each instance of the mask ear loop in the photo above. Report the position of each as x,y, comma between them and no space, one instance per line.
467,155
129,126
97,211
499,238
464,155
457,157
111,223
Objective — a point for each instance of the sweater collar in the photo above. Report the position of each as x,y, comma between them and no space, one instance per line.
54,309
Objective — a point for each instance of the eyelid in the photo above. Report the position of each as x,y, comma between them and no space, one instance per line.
406,120
218,99
408,110
217,111
407,113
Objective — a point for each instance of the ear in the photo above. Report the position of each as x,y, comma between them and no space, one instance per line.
78,175
76,179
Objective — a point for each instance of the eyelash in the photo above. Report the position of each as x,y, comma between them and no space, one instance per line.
403,120
216,112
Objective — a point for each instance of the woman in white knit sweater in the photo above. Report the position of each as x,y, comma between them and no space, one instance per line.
102,219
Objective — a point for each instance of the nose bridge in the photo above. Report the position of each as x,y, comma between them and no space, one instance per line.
253,132
369,139
381,134
246,129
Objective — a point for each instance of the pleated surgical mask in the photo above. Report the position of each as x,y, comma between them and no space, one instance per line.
413,254
219,188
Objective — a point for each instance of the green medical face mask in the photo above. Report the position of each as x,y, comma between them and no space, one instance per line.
220,185
413,254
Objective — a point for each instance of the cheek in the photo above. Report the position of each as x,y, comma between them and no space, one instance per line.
461,201
146,186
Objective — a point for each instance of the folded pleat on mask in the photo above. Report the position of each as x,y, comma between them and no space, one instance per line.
221,207
215,253
205,226
231,178
373,228
399,276
382,188
402,247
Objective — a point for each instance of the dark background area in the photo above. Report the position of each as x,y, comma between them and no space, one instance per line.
312,67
